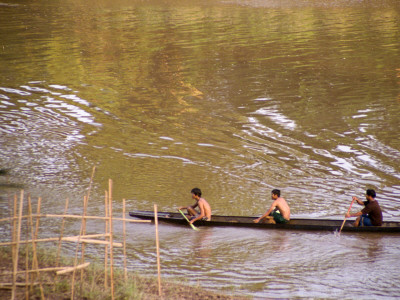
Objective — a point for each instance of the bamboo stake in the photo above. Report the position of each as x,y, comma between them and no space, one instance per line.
26,273
29,225
32,236
61,233
37,270
158,250
85,204
60,237
124,240
35,263
16,254
110,211
83,239
90,241
35,234
8,286
106,246
77,217
14,227
72,269
76,259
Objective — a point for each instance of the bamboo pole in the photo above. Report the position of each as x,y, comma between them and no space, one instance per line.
29,225
158,250
14,227
106,246
77,217
84,239
35,263
85,204
72,269
16,254
60,237
76,260
110,211
61,233
8,285
30,219
124,240
35,234
90,241
37,270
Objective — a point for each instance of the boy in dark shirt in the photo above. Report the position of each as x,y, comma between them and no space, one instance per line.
371,214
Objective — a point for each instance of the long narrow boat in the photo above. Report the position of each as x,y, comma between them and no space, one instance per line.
293,224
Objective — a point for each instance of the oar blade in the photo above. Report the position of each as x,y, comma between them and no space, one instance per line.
194,227
191,225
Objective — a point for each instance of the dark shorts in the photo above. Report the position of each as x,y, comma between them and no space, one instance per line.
278,218
203,219
365,221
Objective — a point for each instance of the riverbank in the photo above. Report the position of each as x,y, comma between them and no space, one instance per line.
91,285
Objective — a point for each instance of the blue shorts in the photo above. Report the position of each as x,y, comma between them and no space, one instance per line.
365,221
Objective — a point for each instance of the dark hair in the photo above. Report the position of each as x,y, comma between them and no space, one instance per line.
371,192
276,192
196,191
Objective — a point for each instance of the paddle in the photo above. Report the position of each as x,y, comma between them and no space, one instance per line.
194,227
345,217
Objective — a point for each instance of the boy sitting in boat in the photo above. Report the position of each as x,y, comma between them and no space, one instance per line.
279,212
371,214
205,209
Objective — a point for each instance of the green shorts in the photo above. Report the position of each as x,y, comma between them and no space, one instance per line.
278,218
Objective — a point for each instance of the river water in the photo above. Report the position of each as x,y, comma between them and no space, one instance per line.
234,97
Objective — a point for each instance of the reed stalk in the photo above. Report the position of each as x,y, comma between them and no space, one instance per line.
110,210
158,250
16,253
124,240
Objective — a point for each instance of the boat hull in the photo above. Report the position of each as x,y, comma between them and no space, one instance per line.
293,224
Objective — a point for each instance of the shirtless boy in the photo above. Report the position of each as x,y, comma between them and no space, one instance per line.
279,212
205,209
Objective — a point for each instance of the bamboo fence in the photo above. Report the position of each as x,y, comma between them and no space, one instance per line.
32,273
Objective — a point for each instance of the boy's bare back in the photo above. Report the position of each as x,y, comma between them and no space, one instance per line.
283,207
205,207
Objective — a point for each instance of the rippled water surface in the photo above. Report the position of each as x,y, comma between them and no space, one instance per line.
235,97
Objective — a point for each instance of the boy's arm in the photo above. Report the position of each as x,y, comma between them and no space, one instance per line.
273,205
353,215
201,215
358,200
186,207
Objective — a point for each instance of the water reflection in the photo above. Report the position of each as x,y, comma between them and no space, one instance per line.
202,245
237,98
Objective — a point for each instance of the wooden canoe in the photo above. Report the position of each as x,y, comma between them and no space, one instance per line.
293,224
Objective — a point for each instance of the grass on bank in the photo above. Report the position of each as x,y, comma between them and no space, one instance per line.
92,284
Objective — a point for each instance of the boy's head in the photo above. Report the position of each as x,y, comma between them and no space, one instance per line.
196,192
276,192
371,193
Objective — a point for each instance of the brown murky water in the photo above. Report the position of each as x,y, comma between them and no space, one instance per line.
235,97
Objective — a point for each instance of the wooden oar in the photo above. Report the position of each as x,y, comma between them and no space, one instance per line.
345,217
194,227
